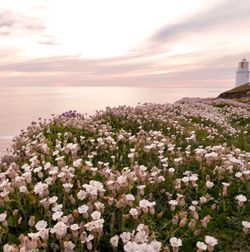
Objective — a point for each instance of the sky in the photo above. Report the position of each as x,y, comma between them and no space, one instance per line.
151,43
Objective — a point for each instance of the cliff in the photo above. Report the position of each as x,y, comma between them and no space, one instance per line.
237,93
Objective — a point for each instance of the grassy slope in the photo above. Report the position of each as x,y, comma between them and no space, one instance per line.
226,220
244,89
240,89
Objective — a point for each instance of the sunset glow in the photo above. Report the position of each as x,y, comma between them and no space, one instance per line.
122,43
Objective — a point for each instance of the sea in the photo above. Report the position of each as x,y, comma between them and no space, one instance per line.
19,106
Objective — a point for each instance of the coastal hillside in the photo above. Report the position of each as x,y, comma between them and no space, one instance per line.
155,177
241,93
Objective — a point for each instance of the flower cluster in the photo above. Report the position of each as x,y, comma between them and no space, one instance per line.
146,178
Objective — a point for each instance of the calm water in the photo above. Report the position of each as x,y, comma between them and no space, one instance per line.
20,106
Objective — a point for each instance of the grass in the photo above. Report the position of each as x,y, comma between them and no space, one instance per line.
131,147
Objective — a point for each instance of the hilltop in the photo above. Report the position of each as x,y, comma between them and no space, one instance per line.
155,177
241,93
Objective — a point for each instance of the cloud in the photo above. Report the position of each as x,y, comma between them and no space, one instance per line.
48,40
75,64
74,71
12,23
221,16
156,62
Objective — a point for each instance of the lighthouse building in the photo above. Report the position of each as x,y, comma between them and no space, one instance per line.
242,73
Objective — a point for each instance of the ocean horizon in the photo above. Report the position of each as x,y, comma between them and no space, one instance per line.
19,106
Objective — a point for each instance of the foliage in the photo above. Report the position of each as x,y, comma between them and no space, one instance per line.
165,176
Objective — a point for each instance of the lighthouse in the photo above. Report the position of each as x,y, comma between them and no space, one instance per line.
242,73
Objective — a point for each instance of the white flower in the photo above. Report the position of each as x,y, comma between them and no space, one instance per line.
175,242
38,169
195,202
192,208
72,147
39,188
44,233
61,174
133,212
53,200
141,187
125,236
77,163
40,225
246,224
238,174
94,225
3,217
99,206
34,236
121,179
96,215
212,155
173,202
98,185
57,215
94,187
53,170
156,246
93,169
47,166
193,178
185,179
209,184
69,246
4,193
145,204
201,245
178,160
64,219
141,227
88,163
90,226
90,238
9,248
81,195
48,181
55,152
83,209
74,227
171,170
60,229
246,172
141,236
57,207
67,185
211,241
241,198
131,247
130,197
23,189
114,241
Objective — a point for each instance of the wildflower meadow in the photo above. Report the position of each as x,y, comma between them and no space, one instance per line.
154,177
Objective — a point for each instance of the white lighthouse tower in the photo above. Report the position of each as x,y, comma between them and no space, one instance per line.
242,73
